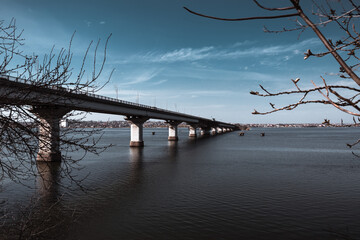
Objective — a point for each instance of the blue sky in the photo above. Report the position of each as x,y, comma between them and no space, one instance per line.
166,57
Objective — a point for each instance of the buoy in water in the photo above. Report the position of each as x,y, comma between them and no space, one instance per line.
153,133
241,133
262,134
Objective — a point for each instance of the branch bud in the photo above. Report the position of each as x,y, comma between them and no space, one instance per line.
296,80
308,54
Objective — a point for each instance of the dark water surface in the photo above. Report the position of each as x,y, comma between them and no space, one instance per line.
291,184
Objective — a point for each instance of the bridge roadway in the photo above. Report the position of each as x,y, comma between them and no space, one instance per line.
50,104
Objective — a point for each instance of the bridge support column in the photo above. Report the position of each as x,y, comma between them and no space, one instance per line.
49,132
192,131
219,130
205,131
136,130
213,131
224,130
173,127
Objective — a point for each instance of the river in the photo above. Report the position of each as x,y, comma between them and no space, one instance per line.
293,183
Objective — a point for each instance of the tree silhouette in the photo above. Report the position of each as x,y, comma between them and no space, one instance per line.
21,130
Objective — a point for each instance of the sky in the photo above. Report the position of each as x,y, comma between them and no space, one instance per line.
164,56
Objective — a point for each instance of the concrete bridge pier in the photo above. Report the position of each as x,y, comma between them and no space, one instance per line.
136,130
173,130
49,131
49,176
205,131
219,130
225,130
213,131
192,131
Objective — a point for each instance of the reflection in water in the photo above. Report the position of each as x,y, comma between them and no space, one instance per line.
45,216
173,149
136,161
136,157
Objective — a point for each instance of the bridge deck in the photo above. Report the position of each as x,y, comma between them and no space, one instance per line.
21,92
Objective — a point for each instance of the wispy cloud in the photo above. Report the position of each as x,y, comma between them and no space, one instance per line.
246,42
140,77
210,92
159,82
183,54
216,74
295,48
237,50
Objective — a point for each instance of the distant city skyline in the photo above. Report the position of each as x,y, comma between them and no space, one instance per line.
164,56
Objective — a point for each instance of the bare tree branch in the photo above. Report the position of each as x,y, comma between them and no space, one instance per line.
344,49
22,132
273,9
242,19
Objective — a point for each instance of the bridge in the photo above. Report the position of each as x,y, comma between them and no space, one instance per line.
51,103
